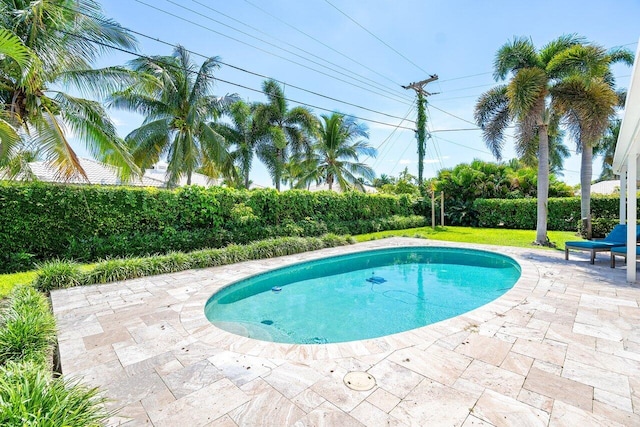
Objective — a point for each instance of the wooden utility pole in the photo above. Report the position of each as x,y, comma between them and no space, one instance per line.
422,120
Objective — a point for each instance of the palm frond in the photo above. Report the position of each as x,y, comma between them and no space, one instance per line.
514,55
493,115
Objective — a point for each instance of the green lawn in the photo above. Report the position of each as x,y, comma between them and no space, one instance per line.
8,281
489,236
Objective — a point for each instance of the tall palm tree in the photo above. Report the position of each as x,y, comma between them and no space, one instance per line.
66,37
525,99
586,97
335,154
288,132
606,148
243,133
14,50
176,99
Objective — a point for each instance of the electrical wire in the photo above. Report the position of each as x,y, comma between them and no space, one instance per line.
225,81
266,12
262,75
270,53
377,38
303,50
392,132
452,115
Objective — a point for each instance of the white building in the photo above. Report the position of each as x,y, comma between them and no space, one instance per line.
625,164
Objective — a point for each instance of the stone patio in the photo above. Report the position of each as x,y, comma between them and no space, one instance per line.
561,348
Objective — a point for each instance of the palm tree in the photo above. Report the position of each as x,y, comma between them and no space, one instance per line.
175,98
12,48
587,98
606,148
244,133
65,37
525,100
335,154
287,132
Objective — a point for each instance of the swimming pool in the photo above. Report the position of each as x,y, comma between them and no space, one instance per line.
363,295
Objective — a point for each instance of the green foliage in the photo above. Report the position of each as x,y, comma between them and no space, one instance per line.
41,221
58,274
564,213
29,396
27,328
465,183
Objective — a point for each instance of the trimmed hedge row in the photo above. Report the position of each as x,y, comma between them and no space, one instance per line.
40,221
564,213
64,274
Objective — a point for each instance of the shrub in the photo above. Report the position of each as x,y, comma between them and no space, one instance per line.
27,327
61,275
58,274
564,213
29,396
88,223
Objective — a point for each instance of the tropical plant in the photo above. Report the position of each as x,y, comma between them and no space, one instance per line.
586,97
30,396
244,133
65,37
175,98
12,49
288,132
606,148
335,154
525,99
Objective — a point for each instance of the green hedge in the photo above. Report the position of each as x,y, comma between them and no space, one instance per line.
40,221
564,213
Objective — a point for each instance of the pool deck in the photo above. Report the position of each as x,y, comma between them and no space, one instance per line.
562,348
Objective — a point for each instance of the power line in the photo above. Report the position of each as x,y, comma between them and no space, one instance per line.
320,42
224,81
453,115
397,99
392,132
376,37
300,49
261,75
465,77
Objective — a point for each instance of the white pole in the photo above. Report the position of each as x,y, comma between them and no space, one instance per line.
433,209
632,178
623,195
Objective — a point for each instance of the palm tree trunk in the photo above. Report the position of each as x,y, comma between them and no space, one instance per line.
543,185
189,178
586,171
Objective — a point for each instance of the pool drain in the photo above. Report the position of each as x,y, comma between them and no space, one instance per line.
359,381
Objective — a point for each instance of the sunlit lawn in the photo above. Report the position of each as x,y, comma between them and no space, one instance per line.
9,281
489,236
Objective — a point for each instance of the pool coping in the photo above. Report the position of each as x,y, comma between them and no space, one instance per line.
196,324
562,347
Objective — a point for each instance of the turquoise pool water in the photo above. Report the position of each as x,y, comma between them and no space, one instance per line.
363,295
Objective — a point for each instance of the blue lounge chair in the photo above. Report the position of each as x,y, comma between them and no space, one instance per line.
617,237
621,251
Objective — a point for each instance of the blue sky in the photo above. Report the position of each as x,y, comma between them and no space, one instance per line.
312,45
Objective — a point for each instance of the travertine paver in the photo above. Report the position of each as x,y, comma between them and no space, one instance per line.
562,348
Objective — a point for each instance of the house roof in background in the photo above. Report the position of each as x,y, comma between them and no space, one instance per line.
337,189
606,187
97,173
